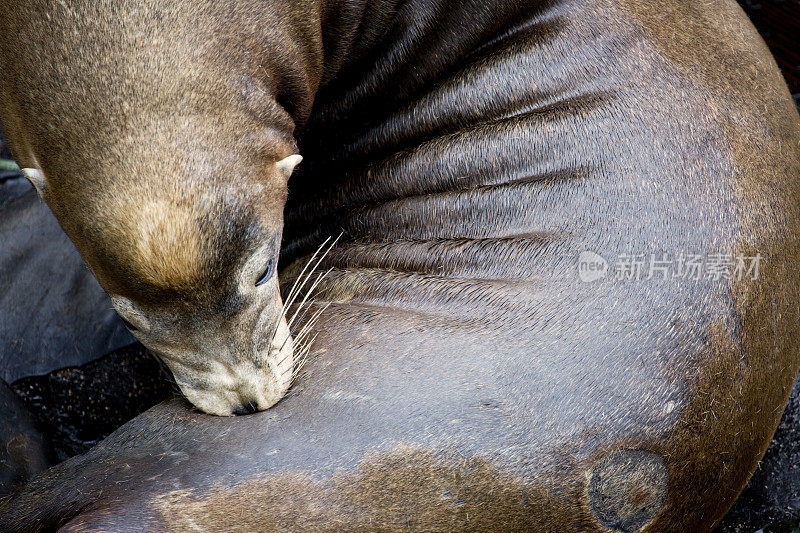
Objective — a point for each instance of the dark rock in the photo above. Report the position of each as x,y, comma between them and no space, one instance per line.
24,449
771,501
53,312
83,405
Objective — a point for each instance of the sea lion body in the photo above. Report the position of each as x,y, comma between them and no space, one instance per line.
464,376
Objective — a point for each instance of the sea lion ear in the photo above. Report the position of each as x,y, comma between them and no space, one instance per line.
36,178
286,166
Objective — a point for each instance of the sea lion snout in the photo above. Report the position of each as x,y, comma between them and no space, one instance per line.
244,388
224,367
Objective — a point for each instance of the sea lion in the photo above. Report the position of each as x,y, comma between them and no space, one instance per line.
486,360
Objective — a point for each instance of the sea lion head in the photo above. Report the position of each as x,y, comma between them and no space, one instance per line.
163,146
191,267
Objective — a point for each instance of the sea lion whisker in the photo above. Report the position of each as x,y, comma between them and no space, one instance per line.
313,321
305,274
303,354
291,300
299,370
304,332
305,343
310,324
303,271
279,350
277,325
300,362
281,315
310,292
297,288
292,326
302,359
297,341
300,276
292,323
305,298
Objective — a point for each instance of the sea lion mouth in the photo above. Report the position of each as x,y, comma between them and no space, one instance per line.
258,382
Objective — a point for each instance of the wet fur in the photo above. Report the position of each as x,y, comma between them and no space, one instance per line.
469,152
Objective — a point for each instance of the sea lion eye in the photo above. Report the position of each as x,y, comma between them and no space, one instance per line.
267,275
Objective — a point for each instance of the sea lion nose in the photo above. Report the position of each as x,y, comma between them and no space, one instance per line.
248,408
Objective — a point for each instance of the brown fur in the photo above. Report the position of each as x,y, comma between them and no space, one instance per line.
469,152
157,111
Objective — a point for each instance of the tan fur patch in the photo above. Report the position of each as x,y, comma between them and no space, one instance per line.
165,243
406,489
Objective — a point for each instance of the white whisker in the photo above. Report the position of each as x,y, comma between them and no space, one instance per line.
301,343
309,293
304,331
290,297
312,322
303,358
300,276
290,300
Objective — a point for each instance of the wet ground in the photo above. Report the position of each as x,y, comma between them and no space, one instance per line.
78,407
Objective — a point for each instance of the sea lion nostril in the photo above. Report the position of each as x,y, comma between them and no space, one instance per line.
246,409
